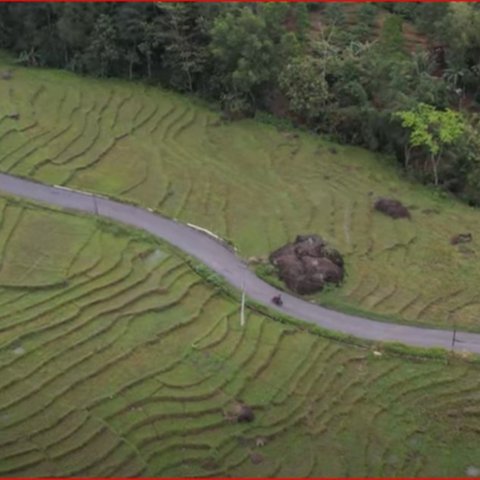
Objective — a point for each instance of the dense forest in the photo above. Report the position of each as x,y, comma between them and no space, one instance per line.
397,78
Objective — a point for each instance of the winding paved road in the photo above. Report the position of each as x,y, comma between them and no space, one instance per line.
233,269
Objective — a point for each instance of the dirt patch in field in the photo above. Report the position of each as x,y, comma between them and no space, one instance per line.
392,208
256,458
461,238
239,412
307,264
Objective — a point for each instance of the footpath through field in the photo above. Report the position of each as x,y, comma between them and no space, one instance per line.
233,269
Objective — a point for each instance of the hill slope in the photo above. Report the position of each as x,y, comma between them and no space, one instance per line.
117,360
249,183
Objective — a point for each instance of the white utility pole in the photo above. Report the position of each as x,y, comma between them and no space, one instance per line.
242,308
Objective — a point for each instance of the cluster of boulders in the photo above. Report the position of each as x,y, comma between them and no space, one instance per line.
307,264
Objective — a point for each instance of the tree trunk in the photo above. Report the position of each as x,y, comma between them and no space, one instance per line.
435,162
407,157
149,65
189,80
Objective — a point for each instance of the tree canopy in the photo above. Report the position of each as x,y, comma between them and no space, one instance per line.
433,130
355,72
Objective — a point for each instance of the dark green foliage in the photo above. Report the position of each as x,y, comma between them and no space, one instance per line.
391,39
248,48
347,80
183,32
335,14
303,83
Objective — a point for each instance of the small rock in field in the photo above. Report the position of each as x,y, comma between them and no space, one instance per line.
461,238
472,471
260,441
256,458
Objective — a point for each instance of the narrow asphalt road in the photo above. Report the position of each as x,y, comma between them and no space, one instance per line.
220,259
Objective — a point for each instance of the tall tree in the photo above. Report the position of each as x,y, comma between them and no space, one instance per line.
131,21
248,49
103,50
185,37
74,26
461,34
433,130
303,82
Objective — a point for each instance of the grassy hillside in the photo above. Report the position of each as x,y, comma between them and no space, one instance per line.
249,183
117,360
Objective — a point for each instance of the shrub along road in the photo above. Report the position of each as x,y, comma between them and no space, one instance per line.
231,268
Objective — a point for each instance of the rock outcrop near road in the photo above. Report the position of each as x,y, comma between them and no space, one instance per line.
307,264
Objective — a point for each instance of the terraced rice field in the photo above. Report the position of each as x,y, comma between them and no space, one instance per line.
247,182
117,360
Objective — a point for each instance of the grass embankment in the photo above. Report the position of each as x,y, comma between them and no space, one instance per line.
117,359
249,183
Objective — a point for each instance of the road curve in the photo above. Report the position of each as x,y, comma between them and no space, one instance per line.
220,259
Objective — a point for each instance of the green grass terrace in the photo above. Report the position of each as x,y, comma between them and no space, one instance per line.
117,359
250,183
